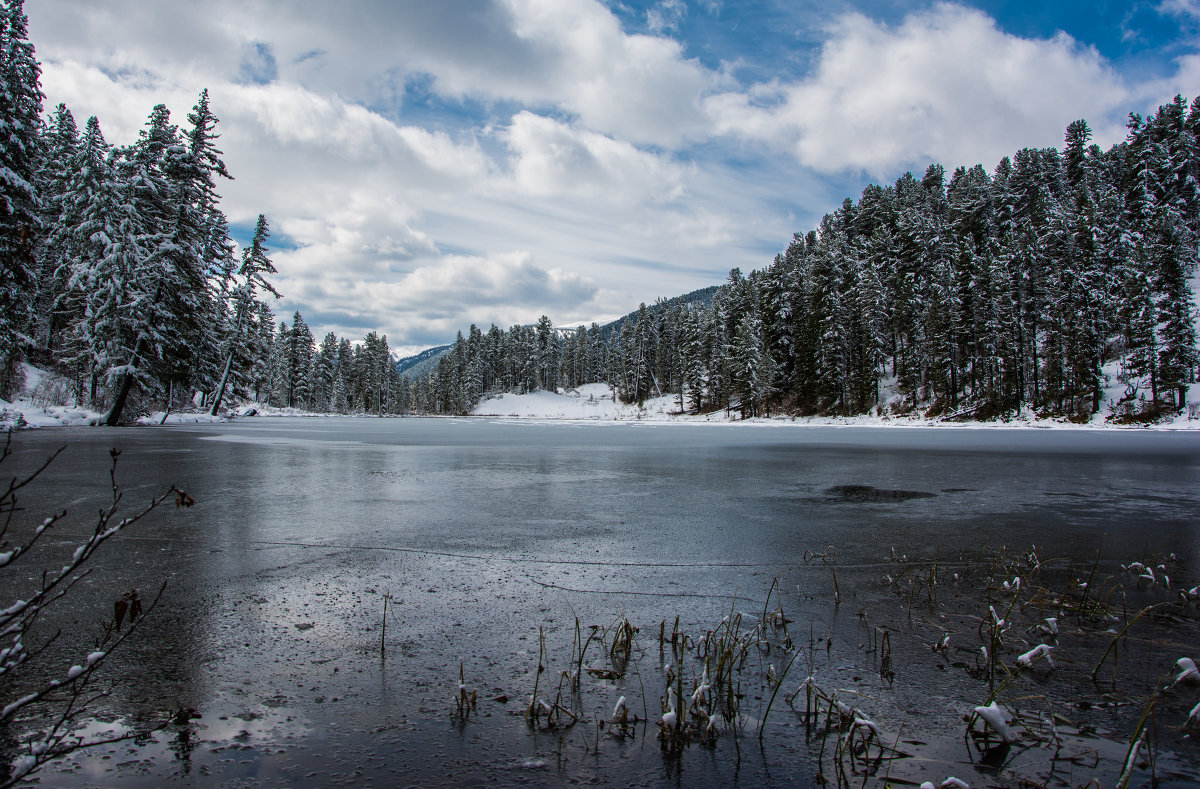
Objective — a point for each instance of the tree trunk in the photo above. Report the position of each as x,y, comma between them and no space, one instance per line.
127,381
167,410
216,406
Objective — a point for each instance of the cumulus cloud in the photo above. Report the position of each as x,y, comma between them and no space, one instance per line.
637,87
509,279
697,229
366,238
425,305
402,150
946,84
552,158
291,115
570,54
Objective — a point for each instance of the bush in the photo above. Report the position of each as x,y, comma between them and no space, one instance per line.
56,706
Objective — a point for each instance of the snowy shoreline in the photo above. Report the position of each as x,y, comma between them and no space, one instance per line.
591,404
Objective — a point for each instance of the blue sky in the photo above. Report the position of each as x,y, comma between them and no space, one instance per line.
429,165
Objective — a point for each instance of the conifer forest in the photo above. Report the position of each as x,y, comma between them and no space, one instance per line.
899,488
973,295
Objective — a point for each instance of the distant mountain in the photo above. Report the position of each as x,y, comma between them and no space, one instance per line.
702,297
422,363
426,361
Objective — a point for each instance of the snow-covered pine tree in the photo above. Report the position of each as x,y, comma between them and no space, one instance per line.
20,159
691,381
868,306
252,276
168,315
261,352
751,366
1178,229
100,245
1139,250
546,355
61,142
344,384
297,355
325,373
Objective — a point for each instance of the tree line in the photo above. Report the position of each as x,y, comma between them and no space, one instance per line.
116,263
117,270
976,296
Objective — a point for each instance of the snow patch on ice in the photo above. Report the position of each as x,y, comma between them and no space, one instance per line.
180,418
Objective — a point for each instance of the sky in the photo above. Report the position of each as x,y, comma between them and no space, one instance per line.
428,165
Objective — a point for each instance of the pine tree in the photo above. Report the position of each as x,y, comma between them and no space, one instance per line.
254,269
1178,230
752,366
546,355
167,317
297,357
262,353
20,159
1075,151
99,240
1139,251
62,140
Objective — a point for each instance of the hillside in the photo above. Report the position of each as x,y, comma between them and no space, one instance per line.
421,363
425,362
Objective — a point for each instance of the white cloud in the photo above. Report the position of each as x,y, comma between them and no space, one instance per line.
946,85
551,158
667,15
570,54
636,87
426,304
1182,8
504,279
619,169
698,229
292,115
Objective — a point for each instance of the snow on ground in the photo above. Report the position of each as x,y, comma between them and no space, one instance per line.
179,418
591,401
37,405
595,402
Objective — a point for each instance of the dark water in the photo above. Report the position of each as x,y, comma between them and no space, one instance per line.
482,531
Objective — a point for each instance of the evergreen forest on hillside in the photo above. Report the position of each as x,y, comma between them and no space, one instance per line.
975,296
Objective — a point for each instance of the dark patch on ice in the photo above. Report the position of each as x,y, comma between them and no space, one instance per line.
960,490
868,494
391,474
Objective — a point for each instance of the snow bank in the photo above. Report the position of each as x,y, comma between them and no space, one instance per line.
595,402
180,418
592,401
36,404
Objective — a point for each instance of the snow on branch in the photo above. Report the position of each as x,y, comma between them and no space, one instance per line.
67,697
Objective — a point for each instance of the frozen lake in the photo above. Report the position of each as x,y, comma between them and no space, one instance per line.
483,530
